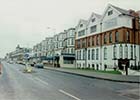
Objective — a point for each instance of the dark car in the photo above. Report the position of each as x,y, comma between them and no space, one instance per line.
32,64
39,65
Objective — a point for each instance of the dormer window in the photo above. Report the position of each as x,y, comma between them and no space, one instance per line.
110,12
81,25
93,20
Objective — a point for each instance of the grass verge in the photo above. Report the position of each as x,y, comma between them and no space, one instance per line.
98,71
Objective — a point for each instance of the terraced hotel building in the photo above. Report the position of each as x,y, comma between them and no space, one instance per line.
111,40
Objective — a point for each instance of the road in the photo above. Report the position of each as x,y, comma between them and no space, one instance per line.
52,85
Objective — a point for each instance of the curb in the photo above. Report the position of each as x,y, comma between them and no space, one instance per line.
114,80
0,68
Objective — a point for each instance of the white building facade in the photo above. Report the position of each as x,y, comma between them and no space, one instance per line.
69,41
58,51
108,41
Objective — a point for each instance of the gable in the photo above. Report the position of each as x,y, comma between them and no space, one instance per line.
94,19
82,24
109,13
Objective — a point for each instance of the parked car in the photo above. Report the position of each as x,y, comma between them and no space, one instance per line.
21,62
10,62
32,64
39,65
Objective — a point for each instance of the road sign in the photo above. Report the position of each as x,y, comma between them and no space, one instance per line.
26,56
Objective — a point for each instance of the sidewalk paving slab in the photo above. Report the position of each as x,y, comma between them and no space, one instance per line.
97,75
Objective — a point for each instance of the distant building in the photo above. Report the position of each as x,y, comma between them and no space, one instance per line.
58,51
18,54
67,57
59,43
69,41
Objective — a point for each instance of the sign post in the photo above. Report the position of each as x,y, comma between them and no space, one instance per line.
27,68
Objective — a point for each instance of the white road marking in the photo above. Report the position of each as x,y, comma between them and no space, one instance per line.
68,94
41,81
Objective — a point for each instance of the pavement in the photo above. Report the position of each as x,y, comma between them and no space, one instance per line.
133,72
0,67
44,84
97,75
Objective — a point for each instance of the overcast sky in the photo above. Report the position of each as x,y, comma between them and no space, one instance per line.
26,22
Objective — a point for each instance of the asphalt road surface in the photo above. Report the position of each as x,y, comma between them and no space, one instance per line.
45,84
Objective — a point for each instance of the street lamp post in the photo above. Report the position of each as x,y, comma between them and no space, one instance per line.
53,46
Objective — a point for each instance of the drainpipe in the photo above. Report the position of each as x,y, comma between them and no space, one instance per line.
86,48
134,30
139,42
139,45
101,47
85,57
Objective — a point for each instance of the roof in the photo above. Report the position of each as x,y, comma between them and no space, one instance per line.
97,15
129,12
123,11
71,29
